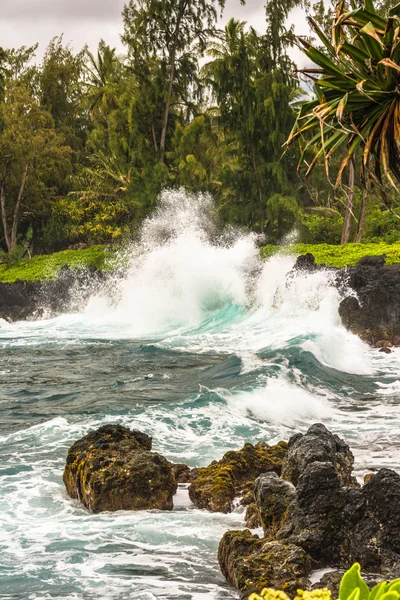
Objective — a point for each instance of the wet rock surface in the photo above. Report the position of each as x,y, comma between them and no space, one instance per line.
318,445
373,311
113,468
35,299
272,495
375,314
250,563
323,513
216,486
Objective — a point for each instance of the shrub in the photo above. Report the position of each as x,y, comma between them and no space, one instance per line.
352,587
337,256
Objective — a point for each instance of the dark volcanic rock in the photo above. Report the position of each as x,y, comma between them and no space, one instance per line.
32,299
113,469
341,525
273,496
375,314
183,473
327,519
250,564
318,444
216,485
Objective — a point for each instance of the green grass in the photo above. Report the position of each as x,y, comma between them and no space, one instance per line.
337,256
40,268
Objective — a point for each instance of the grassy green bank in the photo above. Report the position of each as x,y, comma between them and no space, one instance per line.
41,268
338,256
44,267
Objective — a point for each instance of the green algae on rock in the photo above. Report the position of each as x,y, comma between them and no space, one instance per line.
113,468
251,564
216,486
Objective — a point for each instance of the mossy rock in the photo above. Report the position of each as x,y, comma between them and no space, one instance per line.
251,564
217,485
113,468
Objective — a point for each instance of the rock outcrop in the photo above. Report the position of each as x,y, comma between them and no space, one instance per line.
33,299
318,445
374,315
250,563
216,486
113,468
371,304
319,516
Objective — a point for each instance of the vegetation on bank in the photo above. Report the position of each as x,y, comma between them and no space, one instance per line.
45,267
88,141
337,256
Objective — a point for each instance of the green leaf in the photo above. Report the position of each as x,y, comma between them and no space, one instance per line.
369,5
372,41
377,591
354,52
395,11
351,581
394,586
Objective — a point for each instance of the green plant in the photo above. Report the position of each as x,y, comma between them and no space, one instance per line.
357,101
352,587
336,256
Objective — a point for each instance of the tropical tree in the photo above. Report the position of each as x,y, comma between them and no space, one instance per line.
104,73
253,103
2,72
34,161
356,110
174,32
59,87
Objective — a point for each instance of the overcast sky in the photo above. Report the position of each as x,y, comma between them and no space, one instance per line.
25,22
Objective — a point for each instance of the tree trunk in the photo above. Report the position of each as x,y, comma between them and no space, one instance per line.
172,57
361,220
167,107
14,229
4,212
260,192
349,205
153,131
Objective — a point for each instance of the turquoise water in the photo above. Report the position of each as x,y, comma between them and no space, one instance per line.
203,348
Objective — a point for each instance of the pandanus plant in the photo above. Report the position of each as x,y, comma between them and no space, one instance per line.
356,110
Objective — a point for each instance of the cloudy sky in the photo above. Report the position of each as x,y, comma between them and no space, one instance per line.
25,22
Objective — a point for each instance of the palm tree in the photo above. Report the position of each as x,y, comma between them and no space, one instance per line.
357,105
103,75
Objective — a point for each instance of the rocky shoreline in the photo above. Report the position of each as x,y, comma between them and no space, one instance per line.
370,307
302,494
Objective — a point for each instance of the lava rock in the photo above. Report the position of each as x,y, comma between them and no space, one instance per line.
339,525
320,445
183,473
372,261
216,486
69,291
252,518
113,468
315,519
273,496
250,563
374,314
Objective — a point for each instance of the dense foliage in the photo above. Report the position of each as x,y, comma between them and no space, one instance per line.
89,140
356,111
352,587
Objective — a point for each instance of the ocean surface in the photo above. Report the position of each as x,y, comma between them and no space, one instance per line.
201,346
